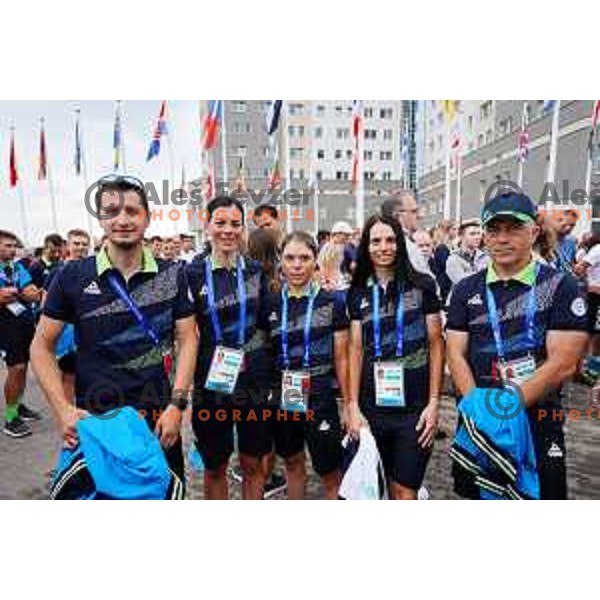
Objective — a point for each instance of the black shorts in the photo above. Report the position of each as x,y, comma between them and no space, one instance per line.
547,429
66,363
322,433
593,306
214,418
404,459
15,340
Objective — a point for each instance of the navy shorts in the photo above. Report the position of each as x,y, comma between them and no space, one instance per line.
404,459
321,432
215,417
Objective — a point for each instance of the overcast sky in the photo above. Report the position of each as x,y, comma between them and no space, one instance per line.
97,121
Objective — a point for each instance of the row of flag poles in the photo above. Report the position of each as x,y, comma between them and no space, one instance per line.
454,137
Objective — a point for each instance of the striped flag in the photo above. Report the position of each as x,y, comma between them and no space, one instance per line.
159,130
273,116
14,175
523,139
43,164
78,156
455,153
212,123
357,117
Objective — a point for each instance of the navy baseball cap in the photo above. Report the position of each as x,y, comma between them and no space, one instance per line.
516,206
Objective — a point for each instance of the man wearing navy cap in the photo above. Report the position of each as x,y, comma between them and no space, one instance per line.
520,324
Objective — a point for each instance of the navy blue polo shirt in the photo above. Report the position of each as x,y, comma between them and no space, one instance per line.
256,372
559,306
41,269
14,274
329,316
117,363
418,303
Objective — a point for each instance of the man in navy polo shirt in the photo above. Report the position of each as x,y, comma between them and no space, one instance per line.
16,332
128,309
522,324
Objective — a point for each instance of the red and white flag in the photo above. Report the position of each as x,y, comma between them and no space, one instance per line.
357,127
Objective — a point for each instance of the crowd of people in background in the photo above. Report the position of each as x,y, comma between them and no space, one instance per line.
359,326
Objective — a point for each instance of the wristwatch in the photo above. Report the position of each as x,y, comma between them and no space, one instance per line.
180,401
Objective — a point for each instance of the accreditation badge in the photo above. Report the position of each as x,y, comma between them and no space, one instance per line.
16,308
295,390
389,384
224,370
518,370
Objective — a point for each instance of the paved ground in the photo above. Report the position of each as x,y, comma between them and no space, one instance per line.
26,463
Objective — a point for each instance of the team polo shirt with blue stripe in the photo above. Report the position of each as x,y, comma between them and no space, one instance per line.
329,316
417,303
117,363
14,274
559,306
256,371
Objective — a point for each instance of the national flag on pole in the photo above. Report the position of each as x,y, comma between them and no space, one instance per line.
357,117
523,139
455,154
274,180
159,130
273,116
43,165
210,183
14,176
212,123
117,139
78,156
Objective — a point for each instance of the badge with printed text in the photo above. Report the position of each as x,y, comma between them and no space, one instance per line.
224,370
517,370
295,390
16,308
389,384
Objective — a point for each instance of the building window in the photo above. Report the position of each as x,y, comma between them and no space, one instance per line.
482,189
320,109
242,151
342,133
266,152
485,110
368,155
480,140
341,175
489,136
385,113
369,175
385,155
370,134
239,106
338,154
296,152
338,110
320,154
318,132
319,175
470,122
386,176
349,154
368,113
300,173
296,109
388,134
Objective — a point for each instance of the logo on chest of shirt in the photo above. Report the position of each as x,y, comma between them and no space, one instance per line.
93,289
273,317
203,291
578,307
475,300
364,304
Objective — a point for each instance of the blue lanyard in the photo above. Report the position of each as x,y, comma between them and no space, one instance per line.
529,319
15,275
133,308
377,322
241,289
307,326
